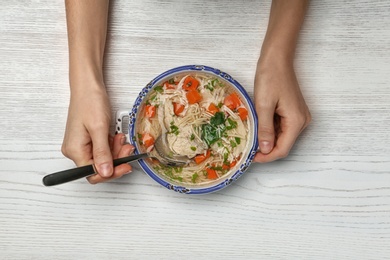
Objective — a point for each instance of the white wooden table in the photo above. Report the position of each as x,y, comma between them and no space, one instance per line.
330,199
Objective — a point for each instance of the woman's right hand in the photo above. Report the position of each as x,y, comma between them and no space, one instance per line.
87,139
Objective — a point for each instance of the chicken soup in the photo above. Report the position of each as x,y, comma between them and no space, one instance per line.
203,118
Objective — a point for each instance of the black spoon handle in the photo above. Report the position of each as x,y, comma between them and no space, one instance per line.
84,171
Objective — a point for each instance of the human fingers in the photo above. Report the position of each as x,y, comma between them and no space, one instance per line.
111,141
285,141
119,170
120,149
117,143
126,150
102,156
266,130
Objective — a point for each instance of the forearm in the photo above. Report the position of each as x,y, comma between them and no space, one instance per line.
87,27
286,18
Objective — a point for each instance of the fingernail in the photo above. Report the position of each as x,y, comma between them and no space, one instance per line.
123,140
128,172
265,147
131,150
105,170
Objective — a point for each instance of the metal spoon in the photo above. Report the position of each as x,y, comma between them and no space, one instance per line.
162,153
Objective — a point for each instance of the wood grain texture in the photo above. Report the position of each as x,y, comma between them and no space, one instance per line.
330,199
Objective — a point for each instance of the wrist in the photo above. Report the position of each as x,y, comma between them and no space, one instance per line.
278,51
85,76
274,60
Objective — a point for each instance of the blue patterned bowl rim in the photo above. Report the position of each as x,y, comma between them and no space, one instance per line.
179,188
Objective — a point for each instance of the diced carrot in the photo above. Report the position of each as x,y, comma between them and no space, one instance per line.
233,163
190,83
202,157
211,174
193,96
150,111
230,165
232,101
147,139
243,113
169,86
177,108
212,108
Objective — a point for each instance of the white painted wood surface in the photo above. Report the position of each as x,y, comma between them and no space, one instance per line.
330,199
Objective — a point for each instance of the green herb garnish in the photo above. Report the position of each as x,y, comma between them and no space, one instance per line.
215,130
216,82
171,81
211,134
174,129
217,119
178,178
170,171
194,177
225,157
192,138
217,168
193,148
232,124
209,87
152,98
233,144
178,169
158,89
238,140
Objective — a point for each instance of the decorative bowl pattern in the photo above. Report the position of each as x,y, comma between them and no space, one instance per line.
222,182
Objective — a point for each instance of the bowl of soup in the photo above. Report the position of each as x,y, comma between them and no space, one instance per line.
206,116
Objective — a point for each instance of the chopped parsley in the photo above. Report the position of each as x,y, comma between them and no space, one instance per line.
225,157
178,178
209,87
178,169
216,82
193,148
212,132
192,138
174,129
217,119
170,171
233,144
158,89
237,139
232,124
194,177
217,168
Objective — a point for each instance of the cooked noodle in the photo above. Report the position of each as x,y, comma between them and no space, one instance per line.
203,118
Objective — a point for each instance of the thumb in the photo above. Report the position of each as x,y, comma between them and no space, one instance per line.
102,156
266,132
